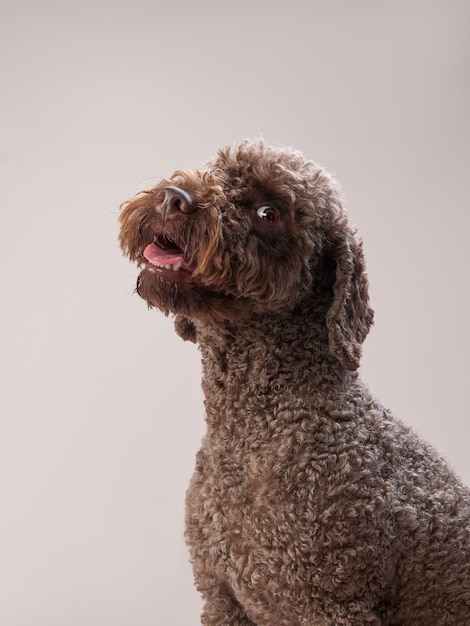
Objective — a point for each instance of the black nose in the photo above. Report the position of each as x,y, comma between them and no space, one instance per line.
174,200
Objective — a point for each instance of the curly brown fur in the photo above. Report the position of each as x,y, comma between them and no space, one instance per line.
310,503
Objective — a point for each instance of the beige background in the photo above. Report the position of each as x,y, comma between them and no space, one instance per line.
101,409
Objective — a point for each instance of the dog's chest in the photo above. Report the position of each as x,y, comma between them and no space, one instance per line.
242,503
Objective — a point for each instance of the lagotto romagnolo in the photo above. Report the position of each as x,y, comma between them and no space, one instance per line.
310,504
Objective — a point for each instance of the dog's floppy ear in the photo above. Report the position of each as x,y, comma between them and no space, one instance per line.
349,316
185,328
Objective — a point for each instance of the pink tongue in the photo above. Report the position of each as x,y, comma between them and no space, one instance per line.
154,254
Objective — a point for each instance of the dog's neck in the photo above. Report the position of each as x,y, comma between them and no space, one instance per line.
255,363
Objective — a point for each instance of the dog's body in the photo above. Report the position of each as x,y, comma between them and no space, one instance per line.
310,503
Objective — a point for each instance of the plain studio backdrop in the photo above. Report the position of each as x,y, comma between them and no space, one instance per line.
101,407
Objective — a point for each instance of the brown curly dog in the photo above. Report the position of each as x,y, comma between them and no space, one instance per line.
310,503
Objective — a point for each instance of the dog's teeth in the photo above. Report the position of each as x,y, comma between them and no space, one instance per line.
174,268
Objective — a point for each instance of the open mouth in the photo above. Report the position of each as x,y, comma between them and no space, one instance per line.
165,254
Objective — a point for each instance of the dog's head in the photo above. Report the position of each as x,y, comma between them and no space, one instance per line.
259,230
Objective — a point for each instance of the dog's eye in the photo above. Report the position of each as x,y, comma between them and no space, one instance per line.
268,214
